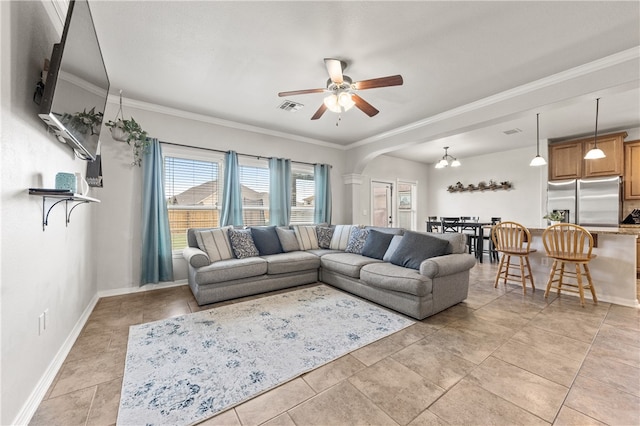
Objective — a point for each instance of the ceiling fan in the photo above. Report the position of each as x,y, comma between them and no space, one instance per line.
341,89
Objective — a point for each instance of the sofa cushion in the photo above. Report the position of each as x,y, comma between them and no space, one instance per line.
416,247
242,243
393,246
296,261
215,243
396,278
457,241
307,237
376,244
231,269
357,238
324,236
288,239
348,264
340,237
266,240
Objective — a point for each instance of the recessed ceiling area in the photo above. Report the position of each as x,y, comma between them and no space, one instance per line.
229,60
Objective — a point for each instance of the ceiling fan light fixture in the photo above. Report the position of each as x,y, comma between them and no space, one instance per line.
331,102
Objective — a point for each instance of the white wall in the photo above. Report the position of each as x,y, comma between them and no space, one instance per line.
119,216
524,203
53,270
388,168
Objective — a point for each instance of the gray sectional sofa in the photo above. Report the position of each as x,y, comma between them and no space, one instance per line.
387,267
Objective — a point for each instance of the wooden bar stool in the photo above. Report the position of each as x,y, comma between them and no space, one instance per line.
567,243
513,239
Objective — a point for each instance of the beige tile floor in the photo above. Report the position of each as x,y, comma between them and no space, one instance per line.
500,357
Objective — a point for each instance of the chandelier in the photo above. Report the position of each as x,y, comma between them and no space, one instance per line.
447,160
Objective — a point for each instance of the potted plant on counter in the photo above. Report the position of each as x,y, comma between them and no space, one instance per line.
554,217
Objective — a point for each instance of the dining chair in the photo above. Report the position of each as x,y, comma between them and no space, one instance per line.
513,240
449,224
567,243
493,253
470,231
433,224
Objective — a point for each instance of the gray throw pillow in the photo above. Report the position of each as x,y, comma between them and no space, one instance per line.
288,239
415,247
325,234
393,246
242,243
357,239
376,244
266,240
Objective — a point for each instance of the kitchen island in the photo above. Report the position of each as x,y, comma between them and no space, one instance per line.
613,270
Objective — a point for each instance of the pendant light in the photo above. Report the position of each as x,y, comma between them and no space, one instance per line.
595,152
538,160
445,160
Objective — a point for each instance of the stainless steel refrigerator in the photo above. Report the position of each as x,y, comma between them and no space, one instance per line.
589,202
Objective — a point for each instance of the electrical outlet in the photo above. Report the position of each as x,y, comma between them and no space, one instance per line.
46,318
544,261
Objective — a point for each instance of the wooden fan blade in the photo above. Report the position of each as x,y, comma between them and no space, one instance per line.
300,92
364,106
393,80
319,112
335,68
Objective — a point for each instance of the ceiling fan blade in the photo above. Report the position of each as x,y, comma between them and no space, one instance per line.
300,92
335,68
319,112
364,106
393,80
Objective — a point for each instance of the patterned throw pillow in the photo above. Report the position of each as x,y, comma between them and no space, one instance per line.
324,236
340,236
242,243
306,236
357,238
215,242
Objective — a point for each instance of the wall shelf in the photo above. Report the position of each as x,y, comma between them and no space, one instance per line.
59,196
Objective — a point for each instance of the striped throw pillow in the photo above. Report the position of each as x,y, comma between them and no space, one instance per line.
340,237
215,242
307,237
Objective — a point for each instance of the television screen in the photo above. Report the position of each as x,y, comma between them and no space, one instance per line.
75,93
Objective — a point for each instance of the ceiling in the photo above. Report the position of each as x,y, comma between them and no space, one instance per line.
229,60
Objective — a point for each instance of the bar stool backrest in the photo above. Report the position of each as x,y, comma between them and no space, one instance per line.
567,241
508,236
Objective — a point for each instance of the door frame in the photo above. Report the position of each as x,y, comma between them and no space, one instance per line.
392,207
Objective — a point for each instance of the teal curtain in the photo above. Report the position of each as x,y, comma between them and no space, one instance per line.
157,264
322,208
279,191
232,192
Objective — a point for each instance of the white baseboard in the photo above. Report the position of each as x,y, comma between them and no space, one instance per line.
146,287
31,405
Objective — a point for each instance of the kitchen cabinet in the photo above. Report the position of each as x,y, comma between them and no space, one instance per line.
631,180
566,158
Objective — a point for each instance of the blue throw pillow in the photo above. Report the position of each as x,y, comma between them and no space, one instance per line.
266,240
356,241
376,244
415,247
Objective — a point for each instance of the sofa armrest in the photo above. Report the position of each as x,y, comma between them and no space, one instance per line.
196,257
441,266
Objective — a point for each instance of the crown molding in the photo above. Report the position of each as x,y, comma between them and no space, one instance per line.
57,11
563,76
147,106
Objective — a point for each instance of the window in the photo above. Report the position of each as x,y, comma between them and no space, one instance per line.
193,190
254,181
302,194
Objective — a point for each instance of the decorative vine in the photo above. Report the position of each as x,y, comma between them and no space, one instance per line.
482,186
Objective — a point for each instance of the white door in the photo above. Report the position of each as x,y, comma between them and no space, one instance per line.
382,204
407,204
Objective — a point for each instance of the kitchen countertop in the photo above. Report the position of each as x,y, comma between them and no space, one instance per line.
621,230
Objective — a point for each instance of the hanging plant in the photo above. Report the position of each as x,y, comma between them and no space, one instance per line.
84,122
131,132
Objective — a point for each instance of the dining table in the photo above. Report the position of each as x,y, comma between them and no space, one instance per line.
478,229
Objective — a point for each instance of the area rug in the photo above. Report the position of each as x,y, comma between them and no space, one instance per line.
186,369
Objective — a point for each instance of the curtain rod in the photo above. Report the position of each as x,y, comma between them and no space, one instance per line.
224,152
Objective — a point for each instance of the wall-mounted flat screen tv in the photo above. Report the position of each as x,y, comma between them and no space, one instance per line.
77,85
